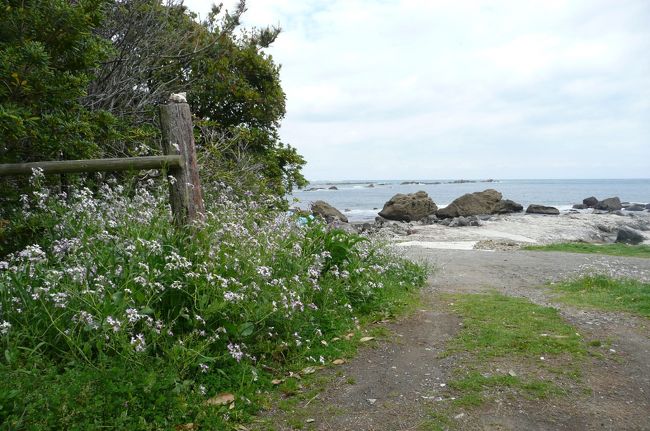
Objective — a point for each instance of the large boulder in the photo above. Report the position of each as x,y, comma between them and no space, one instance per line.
507,206
541,209
410,207
472,204
609,204
627,235
327,211
590,202
647,206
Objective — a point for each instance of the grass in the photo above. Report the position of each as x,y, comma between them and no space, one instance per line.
609,249
607,294
498,328
495,325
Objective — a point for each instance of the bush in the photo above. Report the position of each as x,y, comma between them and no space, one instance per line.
115,317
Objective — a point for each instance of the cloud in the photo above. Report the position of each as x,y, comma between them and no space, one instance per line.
440,89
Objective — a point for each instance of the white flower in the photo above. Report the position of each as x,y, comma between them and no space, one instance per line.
138,342
5,327
235,351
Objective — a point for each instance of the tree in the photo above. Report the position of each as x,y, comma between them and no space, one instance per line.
47,54
233,87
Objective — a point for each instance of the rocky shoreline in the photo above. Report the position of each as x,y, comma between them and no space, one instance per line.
488,221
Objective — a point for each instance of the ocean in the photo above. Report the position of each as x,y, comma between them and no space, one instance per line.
361,202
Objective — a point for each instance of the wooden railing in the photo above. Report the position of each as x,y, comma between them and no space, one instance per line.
180,160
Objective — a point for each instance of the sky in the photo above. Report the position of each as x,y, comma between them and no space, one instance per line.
428,89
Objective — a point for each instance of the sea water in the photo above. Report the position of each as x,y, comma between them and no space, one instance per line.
361,200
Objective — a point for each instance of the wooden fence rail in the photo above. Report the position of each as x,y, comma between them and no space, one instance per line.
180,159
91,165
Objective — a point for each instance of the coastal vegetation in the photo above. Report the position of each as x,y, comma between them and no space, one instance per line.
615,249
82,80
116,318
607,293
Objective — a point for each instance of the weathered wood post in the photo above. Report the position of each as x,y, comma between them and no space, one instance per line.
178,139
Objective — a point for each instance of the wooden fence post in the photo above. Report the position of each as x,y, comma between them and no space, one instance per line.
178,139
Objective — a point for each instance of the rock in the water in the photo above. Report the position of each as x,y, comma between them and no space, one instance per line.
327,211
627,235
580,207
590,202
507,206
647,207
635,207
333,188
410,207
472,204
609,204
541,209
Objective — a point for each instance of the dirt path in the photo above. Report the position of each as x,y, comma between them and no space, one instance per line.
399,384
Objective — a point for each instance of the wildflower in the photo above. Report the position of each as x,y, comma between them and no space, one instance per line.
33,254
5,327
87,318
204,368
202,390
60,299
235,351
114,323
132,315
264,271
232,296
138,343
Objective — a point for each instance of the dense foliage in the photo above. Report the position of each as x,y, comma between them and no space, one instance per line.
117,319
47,55
82,79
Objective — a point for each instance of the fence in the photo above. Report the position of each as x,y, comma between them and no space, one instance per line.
180,159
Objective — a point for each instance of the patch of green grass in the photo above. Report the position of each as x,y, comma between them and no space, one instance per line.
437,421
607,294
474,385
497,327
500,326
610,249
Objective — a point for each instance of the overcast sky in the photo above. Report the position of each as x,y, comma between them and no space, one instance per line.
391,89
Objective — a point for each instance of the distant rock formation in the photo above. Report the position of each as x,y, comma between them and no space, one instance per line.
590,202
507,206
477,203
541,209
609,204
409,207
